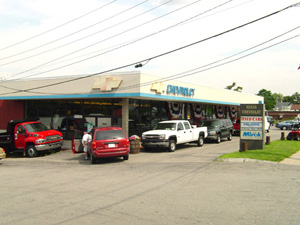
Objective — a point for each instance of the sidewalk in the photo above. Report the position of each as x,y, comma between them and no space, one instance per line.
293,160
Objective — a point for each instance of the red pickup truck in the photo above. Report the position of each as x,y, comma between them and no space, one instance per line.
30,137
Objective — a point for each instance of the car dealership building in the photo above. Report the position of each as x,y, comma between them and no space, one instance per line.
132,100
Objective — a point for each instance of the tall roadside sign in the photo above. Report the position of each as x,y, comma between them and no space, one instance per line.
252,133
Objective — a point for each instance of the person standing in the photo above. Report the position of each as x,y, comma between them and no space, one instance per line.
85,140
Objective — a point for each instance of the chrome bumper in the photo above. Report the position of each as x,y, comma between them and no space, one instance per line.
49,146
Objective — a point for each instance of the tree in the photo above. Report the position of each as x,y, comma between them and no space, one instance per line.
269,99
237,88
296,98
278,97
287,99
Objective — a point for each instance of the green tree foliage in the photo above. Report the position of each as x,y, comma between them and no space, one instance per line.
278,97
269,99
287,99
295,98
234,87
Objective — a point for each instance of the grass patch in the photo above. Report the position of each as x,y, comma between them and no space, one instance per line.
276,151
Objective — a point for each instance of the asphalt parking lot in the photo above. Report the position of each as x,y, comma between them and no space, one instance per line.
185,187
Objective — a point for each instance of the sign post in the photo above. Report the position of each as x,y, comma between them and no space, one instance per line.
252,133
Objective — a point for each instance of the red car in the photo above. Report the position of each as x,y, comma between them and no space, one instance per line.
108,142
237,127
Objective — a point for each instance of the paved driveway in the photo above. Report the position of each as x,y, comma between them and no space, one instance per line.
184,187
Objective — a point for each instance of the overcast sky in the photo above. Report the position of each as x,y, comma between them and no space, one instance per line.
41,38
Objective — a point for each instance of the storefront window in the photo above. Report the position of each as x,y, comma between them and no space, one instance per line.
145,116
59,113
209,112
159,112
134,120
32,109
117,112
45,112
98,111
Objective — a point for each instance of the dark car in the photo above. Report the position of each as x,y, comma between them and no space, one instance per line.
108,142
218,129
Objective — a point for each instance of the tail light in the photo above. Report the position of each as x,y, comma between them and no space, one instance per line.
127,142
3,151
94,145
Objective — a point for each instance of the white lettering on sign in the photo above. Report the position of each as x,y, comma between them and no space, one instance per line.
251,119
254,124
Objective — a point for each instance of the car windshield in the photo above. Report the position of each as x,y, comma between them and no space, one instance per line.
35,127
166,126
109,134
209,123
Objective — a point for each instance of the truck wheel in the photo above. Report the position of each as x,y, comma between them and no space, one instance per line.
172,146
200,141
147,149
218,138
31,151
229,138
126,157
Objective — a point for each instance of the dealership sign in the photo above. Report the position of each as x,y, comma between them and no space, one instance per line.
252,126
177,90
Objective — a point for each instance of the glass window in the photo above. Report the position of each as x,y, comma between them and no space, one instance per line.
187,125
35,127
134,117
45,112
180,126
109,134
166,126
98,107
209,112
159,112
21,130
32,109
75,107
59,112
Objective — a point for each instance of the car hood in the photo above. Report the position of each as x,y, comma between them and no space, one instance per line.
159,132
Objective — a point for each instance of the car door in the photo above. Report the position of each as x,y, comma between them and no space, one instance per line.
224,130
188,133
20,136
181,133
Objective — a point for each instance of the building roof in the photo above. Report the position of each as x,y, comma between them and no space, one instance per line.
295,107
123,85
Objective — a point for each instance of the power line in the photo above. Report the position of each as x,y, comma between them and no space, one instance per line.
169,52
183,74
45,32
91,45
112,48
78,31
124,45
186,73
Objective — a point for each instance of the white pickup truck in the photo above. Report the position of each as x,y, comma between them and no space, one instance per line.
172,132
